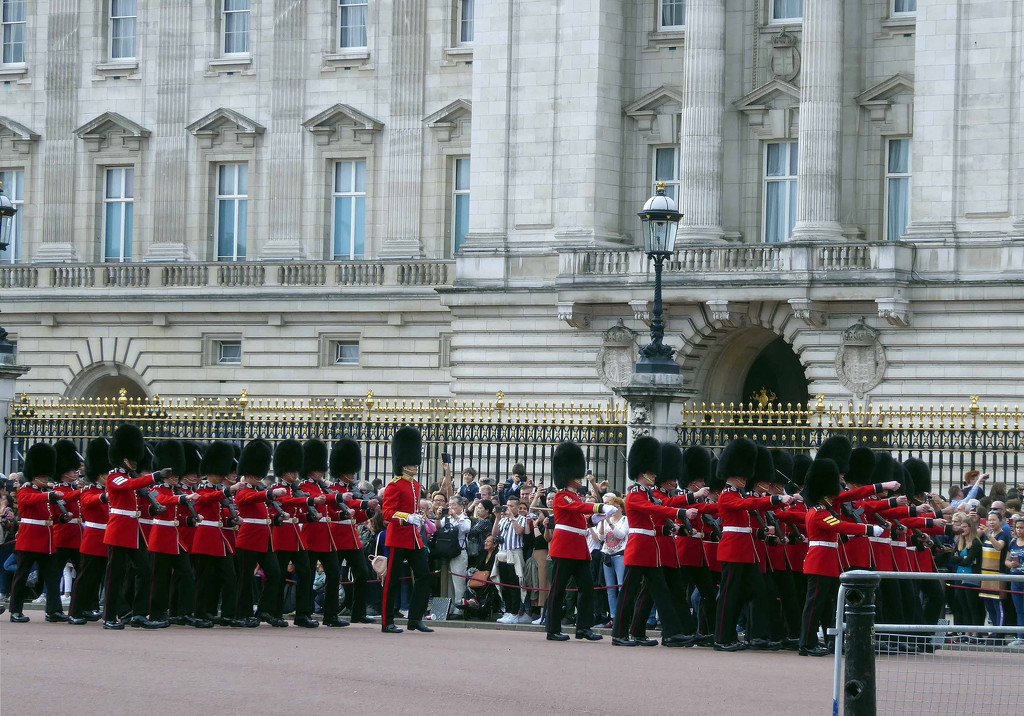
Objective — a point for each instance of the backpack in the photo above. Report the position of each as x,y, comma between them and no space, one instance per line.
445,542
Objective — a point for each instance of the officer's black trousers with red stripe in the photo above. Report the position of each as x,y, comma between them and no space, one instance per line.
653,580
49,575
565,569
85,597
420,568
741,582
819,608
118,559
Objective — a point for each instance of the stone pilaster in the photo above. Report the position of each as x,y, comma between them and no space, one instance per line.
700,173
821,106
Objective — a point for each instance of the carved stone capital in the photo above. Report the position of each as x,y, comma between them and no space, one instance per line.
895,311
810,312
573,314
729,313
641,310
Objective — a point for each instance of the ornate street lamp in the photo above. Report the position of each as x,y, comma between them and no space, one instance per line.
7,212
660,218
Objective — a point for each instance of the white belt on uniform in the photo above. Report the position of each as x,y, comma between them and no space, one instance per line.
697,535
639,531
341,522
41,523
94,525
741,530
574,530
255,521
123,513
324,519
74,521
205,523
880,540
896,543
145,521
818,543
165,523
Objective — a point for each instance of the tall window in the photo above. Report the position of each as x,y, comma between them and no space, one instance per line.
13,18
232,205
466,21
122,29
118,202
236,27
904,7
897,189
785,10
460,201
666,169
352,24
349,209
673,14
780,172
12,185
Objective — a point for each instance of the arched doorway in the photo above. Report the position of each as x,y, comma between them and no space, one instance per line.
104,382
776,374
747,361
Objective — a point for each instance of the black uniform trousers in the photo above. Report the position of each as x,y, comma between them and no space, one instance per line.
303,582
819,608
356,561
272,586
85,597
215,574
933,601
168,567
634,580
789,603
332,576
679,596
49,574
741,582
420,568
700,577
119,559
564,570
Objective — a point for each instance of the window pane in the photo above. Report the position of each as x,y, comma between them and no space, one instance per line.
899,208
352,21
462,175
791,219
787,9
346,353
360,176
466,21
359,228
242,170
776,161
128,216
226,179
114,177
899,156
243,225
793,159
236,26
461,219
342,177
129,183
235,5
342,227
774,212
112,245
14,11
226,229
905,6
673,13
122,8
666,166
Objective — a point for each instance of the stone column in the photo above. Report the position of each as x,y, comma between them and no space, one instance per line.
700,172
821,107
10,371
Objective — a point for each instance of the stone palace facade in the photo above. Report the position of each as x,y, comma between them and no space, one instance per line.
438,199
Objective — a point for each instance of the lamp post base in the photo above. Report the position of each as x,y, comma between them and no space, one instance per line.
659,364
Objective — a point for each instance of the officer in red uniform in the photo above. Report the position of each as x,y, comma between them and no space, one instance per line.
932,597
317,535
646,516
85,597
123,537
693,564
742,581
169,558
257,509
403,540
34,543
568,548
214,557
345,461
67,534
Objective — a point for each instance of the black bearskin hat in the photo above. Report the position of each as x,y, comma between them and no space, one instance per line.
97,459
783,460
127,444
644,456
255,459
346,458
900,472
883,470
837,449
146,463
696,464
219,459
671,463
822,481
920,475
171,453
193,457
68,458
715,481
567,463
406,449
314,456
862,466
40,461
287,457
764,468
801,463
739,459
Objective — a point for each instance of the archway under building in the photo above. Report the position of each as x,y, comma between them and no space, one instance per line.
104,382
754,362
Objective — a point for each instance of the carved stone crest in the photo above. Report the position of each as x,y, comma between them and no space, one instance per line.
639,419
860,362
785,58
617,355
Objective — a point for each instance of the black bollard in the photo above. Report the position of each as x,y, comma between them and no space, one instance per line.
859,677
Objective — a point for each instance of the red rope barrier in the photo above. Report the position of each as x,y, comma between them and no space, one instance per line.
983,589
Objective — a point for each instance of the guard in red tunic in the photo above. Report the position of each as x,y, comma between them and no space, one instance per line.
568,549
932,597
742,580
214,557
400,507
258,510
34,543
85,597
317,535
345,462
67,534
786,522
693,563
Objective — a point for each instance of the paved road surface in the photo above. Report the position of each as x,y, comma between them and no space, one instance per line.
294,671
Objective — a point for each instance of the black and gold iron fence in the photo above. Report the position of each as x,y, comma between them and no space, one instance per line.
490,436
953,439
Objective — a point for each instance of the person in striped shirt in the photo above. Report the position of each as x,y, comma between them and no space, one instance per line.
510,564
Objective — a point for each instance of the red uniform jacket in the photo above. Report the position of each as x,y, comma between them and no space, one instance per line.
646,519
823,549
37,517
69,534
401,499
123,525
95,514
343,525
163,533
572,518
690,548
254,509
794,516
209,538
776,553
186,534
666,542
288,536
317,535
737,543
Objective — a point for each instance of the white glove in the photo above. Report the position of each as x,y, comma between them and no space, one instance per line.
609,510
876,530
414,520
598,518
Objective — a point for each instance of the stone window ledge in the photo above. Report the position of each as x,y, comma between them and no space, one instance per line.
774,28
666,38
458,53
899,25
345,60
8,72
230,65
122,69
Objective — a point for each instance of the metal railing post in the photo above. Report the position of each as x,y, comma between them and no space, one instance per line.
859,677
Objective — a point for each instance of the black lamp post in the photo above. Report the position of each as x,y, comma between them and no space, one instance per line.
660,218
7,212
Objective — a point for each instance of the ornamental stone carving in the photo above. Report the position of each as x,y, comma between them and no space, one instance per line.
639,419
860,362
784,63
617,355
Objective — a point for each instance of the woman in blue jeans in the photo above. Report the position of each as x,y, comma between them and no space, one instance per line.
1015,562
612,534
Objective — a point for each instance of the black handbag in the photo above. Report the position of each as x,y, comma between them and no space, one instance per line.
445,542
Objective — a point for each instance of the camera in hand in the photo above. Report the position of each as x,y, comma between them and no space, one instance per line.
446,458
